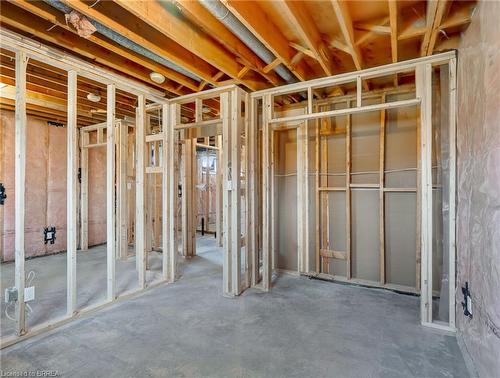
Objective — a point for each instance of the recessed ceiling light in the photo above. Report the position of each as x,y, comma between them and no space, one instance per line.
157,77
94,97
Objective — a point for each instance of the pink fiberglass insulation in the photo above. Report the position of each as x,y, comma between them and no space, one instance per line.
7,130
46,188
478,184
56,186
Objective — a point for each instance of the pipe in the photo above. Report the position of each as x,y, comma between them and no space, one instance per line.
125,42
219,10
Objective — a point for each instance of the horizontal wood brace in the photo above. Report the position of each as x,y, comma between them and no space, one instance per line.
154,137
153,169
182,126
331,189
94,145
339,255
340,112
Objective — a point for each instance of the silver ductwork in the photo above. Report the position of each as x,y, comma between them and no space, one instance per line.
219,10
125,42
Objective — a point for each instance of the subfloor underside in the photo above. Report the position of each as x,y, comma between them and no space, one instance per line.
301,328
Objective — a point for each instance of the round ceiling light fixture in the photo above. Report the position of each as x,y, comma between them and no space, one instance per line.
157,77
205,110
94,97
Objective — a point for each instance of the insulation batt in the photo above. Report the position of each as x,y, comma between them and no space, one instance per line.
82,25
478,187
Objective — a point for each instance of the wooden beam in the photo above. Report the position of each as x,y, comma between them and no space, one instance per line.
54,84
157,16
304,50
346,26
110,193
317,197
267,226
235,152
122,198
172,190
393,20
382,275
213,27
335,43
263,28
44,11
303,198
60,60
20,186
129,28
430,17
423,75
84,191
227,265
375,32
218,191
411,32
348,195
452,127
461,15
188,205
140,254
22,20
304,25
375,28
252,164
325,201
71,199
165,188
441,12
271,66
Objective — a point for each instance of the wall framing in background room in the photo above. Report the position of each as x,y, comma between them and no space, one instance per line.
422,68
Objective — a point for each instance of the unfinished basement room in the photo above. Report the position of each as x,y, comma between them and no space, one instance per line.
234,188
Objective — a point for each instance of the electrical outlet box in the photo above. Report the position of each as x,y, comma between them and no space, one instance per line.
10,294
29,293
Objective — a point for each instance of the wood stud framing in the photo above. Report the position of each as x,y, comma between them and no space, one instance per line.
110,193
423,68
72,148
140,221
230,143
381,194
20,186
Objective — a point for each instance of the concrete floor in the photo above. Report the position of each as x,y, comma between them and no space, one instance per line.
50,283
302,328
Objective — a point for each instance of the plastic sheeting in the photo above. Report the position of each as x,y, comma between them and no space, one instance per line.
478,185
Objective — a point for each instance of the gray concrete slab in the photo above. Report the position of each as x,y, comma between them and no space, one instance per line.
49,279
302,328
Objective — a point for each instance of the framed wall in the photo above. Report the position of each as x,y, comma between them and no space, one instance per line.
433,177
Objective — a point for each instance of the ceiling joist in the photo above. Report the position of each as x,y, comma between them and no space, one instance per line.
268,33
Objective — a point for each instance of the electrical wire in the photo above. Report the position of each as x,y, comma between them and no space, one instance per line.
28,280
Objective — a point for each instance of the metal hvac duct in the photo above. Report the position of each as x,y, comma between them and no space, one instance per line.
219,10
125,42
